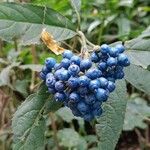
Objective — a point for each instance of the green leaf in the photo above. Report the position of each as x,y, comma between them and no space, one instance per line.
111,122
141,43
138,77
26,21
139,58
28,123
66,114
76,4
52,105
137,111
68,137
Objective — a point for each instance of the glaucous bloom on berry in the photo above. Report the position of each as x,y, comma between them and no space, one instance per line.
94,84
50,62
93,73
73,69
75,60
65,63
67,54
85,64
104,49
84,81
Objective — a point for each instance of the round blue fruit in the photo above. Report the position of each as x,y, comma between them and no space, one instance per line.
51,90
111,86
84,81
50,62
88,117
57,66
94,57
123,60
111,61
120,48
73,69
62,74
65,63
45,70
83,91
101,94
43,76
67,54
103,82
97,112
94,84
104,49
82,107
59,86
113,52
90,99
74,97
50,81
93,73
73,82
75,60
102,66
85,64
60,97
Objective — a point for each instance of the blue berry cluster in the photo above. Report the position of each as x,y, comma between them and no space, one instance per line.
84,84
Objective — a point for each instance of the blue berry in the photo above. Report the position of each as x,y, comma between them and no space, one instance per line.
67,54
102,66
50,81
83,91
76,112
94,84
104,49
93,73
43,76
88,117
111,61
73,69
75,60
62,74
94,57
103,82
74,97
65,63
113,52
51,90
59,86
90,99
50,62
60,97
96,105
85,64
84,81
73,82
120,48
111,86
45,70
82,107
119,75
123,60
97,112
101,94
57,66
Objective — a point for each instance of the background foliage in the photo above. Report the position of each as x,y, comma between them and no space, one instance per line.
38,123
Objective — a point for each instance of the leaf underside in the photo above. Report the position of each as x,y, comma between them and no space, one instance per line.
112,119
